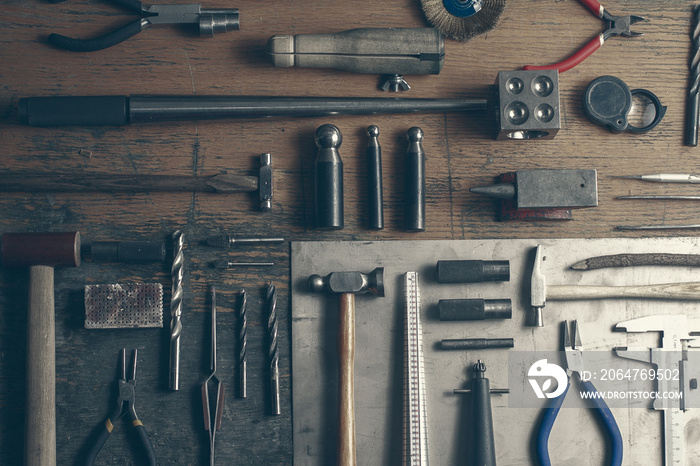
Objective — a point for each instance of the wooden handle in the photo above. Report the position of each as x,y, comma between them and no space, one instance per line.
346,381
670,291
40,427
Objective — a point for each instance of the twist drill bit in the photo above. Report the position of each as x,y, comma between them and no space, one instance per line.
177,272
243,345
274,350
691,131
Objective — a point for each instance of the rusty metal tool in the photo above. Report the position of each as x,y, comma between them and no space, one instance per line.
213,423
347,285
672,356
124,305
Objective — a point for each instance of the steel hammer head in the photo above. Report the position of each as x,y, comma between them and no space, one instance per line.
350,282
51,249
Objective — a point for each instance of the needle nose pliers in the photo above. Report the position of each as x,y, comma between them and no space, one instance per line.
125,403
574,363
209,21
615,26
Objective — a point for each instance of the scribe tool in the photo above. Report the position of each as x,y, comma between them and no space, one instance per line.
415,418
664,178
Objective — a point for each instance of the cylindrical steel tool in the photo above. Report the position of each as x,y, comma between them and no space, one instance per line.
473,271
328,177
387,51
128,252
482,427
475,309
122,110
415,181
476,343
375,196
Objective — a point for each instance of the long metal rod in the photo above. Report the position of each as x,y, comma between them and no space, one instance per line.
64,182
122,110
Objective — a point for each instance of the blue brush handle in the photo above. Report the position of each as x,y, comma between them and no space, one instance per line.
550,415
611,427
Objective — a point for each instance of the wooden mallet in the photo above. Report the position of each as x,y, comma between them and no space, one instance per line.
41,252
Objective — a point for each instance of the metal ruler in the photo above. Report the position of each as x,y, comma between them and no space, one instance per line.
415,420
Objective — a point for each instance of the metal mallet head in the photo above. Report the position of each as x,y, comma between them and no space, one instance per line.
349,282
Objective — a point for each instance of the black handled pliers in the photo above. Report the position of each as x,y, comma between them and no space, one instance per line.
615,26
125,404
209,21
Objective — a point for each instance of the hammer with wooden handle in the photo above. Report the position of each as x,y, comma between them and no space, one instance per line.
41,252
347,284
540,292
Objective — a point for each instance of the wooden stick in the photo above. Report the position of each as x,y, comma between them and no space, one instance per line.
346,381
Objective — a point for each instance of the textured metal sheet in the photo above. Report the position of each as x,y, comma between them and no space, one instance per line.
124,305
576,438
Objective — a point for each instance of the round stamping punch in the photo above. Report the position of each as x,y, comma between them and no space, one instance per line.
609,102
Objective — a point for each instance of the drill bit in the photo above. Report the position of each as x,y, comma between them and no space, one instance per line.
243,346
177,272
274,350
211,425
226,241
691,128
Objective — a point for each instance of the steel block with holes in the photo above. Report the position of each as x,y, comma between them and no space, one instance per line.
527,104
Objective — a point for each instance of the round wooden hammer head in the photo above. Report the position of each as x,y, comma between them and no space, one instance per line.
350,282
51,249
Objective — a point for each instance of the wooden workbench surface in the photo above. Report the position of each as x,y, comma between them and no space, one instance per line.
461,152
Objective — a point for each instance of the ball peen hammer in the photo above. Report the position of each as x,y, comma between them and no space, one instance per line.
41,252
347,284
540,292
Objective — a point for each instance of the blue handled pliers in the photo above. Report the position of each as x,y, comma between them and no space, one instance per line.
574,363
